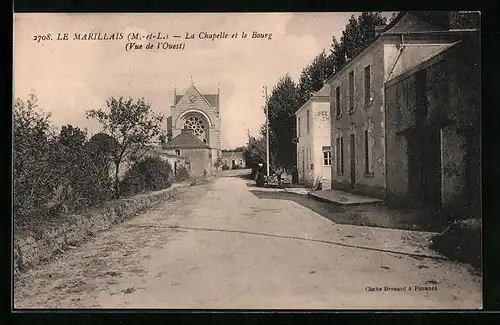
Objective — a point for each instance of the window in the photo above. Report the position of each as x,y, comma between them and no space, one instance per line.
327,156
367,85
298,127
340,155
188,166
420,94
337,100
308,123
177,152
351,91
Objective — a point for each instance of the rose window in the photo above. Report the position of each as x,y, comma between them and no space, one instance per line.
196,124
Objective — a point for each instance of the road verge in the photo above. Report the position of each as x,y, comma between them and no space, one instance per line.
53,238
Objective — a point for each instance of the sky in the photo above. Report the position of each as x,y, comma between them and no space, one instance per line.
72,76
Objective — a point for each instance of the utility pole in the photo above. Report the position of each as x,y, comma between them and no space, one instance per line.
267,133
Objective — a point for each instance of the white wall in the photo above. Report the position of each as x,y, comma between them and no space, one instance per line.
310,146
304,147
321,138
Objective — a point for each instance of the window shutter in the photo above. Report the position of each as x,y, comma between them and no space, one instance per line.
351,90
367,84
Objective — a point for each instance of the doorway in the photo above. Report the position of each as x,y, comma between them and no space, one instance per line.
303,166
432,168
352,141
424,168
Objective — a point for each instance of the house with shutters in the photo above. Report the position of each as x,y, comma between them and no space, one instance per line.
313,134
357,97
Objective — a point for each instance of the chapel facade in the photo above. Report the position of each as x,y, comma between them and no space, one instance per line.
199,115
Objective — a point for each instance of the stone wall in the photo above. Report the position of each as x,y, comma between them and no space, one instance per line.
452,97
367,115
31,248
199,159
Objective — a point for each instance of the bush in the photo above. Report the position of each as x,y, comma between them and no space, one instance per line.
461,241
225,167
53,173
149,174
182,174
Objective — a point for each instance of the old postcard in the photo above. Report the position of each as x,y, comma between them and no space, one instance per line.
247,160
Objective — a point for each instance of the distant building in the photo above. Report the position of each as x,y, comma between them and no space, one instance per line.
433,131
193,130
313,133
357,92
233,159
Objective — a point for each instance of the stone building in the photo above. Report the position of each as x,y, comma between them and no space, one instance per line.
313,133
196,154
233,159
433,131
199,113
357,97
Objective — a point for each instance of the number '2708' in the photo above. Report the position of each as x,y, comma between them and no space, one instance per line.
40,38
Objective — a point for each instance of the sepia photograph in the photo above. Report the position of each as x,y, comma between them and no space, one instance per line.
250,161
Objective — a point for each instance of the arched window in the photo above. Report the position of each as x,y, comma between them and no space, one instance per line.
196,123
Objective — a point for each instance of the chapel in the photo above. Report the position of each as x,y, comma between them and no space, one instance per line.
193,129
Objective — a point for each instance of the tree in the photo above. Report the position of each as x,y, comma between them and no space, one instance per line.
69,154
358,34
133,124
313,76
255,151
32,168
100,149
282,105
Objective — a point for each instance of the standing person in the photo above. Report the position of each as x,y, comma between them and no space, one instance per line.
295,175
260,176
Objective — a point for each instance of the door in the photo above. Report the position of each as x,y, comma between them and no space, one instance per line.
424,168
303,166
432,168
353,160
415,169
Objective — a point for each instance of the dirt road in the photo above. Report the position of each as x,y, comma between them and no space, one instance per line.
230,245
